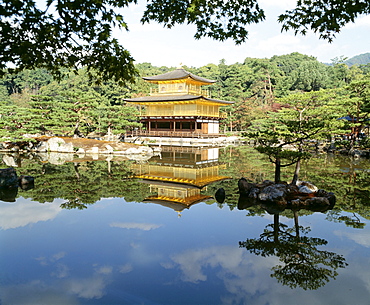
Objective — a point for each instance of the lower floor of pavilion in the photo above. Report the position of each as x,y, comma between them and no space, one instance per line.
178,127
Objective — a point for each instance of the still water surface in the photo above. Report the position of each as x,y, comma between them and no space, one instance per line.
125,232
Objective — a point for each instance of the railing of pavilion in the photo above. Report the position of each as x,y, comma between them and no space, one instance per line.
156,92
171,134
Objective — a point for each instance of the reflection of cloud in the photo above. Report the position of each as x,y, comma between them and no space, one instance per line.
360,237
58,256
247,279
230,259
364,273
104,270
35,292
25,211
168,265
245,276
135,225
54,258
125,268
62,271
88,288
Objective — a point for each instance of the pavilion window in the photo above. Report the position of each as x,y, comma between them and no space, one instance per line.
186,125
163,125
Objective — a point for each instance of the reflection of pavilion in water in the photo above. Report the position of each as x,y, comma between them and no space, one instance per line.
177,177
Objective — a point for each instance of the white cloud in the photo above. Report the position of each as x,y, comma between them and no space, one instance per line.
283,4
25,211
163,47
363,21
135,225
277,45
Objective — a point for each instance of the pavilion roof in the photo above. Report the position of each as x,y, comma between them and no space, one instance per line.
174,98
177,75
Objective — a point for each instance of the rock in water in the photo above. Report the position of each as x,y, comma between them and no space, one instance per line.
306,187
220,195
273,193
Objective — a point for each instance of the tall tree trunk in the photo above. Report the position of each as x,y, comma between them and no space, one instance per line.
298,164
75,130
296,172
277,170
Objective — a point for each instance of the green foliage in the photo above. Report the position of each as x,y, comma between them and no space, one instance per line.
325,18
116,118
27,80
4,95
75,106
216,19
310,76
65,34
284,135
71,106
353,106
365,143
15,122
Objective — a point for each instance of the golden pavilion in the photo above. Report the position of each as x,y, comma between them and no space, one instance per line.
179,107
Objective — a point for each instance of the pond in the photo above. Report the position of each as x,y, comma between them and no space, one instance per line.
150,232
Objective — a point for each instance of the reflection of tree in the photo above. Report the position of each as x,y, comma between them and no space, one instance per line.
302,263
81,184
349,178
73,204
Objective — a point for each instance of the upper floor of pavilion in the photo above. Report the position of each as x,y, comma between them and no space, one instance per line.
179,82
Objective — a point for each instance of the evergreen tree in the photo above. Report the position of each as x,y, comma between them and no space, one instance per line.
284,135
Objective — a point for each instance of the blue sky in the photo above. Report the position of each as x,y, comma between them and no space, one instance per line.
163,47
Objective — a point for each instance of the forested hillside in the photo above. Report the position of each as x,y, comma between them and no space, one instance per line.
362,59
32,102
